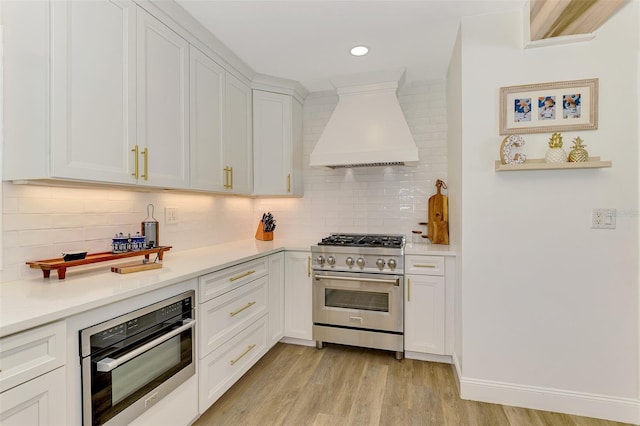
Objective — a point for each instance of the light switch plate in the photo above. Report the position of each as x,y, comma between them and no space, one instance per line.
171,215
603,219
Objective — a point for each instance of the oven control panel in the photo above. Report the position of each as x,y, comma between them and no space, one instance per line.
359,262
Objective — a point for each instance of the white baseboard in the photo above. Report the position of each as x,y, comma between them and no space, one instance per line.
457,372
428,357
577,403
296,341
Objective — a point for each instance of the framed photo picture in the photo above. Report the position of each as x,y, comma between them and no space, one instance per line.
549,107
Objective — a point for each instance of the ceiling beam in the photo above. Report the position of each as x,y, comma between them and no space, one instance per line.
553,18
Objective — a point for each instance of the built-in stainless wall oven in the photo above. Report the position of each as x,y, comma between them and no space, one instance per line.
131,362
358,291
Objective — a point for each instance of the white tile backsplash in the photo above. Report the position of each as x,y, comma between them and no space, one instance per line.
42,221
377,199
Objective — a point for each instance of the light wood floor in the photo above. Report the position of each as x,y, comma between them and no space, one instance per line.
341,385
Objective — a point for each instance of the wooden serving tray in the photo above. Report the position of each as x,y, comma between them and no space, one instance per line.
61,266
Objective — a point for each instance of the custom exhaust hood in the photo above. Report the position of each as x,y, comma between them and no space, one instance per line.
367,127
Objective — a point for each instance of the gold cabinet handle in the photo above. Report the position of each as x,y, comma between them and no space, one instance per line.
232,279
308,266
408,289
228,177
422,265
289,182
145,154
247,306
239,357
135,161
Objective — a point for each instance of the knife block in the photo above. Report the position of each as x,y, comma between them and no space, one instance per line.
261,235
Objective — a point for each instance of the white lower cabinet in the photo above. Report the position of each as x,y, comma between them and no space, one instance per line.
425,305
298,321
33,378
424,314
225,365
276,299
40,401
233,317
227,315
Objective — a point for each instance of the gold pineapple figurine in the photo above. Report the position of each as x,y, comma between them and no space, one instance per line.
556,154
578,154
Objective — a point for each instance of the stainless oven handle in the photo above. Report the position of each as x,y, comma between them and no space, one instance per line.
107,364
395,281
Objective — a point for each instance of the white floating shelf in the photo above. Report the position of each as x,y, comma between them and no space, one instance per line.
540,164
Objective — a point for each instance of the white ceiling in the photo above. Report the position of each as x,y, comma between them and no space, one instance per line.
309,41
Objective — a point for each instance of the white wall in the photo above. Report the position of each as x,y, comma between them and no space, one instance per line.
40,222
550,306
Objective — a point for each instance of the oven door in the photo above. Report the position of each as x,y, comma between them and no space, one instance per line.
126,380
358,300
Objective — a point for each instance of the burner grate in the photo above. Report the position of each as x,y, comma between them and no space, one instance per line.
363,240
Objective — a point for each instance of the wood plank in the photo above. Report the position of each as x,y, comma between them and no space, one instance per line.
555,18
347,386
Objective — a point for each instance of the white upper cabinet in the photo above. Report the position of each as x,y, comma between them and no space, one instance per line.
277,144
93,116
238,176
206,114
163,105
104,91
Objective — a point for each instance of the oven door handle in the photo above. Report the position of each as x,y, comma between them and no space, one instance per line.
107,364
395,281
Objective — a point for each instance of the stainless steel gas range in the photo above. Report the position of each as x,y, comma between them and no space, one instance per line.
358,291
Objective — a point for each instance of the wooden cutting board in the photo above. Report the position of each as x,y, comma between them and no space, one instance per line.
135,267
438,224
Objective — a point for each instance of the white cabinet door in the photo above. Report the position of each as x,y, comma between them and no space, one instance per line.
272,143
206,112
93,93
163,105
276,299
238,137
424,320
38,402
298,322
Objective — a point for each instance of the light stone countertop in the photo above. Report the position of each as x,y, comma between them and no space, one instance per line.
30,303
429,249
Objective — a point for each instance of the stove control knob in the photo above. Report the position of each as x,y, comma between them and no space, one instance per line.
380,263
392,263
360,262
349,261
320,260
331,260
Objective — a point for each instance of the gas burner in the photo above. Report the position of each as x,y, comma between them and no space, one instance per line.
363,240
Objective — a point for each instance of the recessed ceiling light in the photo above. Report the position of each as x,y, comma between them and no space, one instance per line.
359,50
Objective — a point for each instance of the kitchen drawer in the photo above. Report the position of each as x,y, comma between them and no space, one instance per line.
225,365
424,265
225,316
32,353
223,281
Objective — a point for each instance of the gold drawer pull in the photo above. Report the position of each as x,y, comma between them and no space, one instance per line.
247,306
422,265
289,183
135,173
408,289
145,154
232,279
233,361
